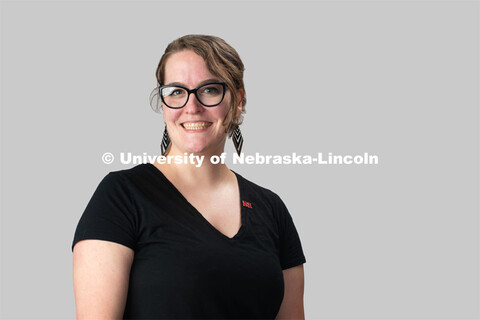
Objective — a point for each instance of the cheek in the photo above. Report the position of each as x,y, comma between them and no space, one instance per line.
225,110
221,116
170,115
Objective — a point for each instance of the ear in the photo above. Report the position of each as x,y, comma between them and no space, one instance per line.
239,106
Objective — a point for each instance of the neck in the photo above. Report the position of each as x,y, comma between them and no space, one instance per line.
195,169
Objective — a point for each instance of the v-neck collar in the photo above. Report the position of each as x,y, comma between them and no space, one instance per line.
243,219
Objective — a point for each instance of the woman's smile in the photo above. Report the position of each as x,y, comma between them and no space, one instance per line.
196,126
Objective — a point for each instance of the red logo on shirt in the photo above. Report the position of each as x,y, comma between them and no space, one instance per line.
247,204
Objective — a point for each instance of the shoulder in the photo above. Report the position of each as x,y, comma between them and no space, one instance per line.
260,194
122,183
112,212
127,177
252,186
140,170
143,183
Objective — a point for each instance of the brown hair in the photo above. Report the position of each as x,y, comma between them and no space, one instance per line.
222,61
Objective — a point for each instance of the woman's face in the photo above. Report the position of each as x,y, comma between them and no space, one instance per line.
194,128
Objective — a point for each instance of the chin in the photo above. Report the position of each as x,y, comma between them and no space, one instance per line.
196,149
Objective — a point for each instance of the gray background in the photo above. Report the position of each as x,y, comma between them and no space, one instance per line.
399,240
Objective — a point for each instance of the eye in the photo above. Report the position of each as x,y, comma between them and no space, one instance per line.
176,92
172,92
211,90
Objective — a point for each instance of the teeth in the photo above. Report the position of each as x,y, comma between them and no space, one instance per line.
196,125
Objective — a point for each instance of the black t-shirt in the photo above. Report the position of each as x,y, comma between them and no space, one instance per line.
183,267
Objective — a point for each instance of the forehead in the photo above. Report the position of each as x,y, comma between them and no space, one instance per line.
186,67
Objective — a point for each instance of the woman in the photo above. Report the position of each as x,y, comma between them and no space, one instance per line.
185,241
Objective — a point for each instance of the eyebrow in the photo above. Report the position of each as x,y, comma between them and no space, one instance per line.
200,84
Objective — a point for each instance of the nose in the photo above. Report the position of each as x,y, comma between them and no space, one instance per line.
193,105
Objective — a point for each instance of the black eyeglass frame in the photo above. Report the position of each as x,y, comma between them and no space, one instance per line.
194,91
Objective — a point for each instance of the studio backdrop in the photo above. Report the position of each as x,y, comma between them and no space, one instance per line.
374,103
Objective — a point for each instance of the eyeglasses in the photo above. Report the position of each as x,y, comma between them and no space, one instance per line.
209,94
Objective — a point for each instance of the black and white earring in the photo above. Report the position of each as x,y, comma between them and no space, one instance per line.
165,141
237,139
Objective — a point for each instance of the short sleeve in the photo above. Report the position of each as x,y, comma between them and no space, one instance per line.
291,252
110,214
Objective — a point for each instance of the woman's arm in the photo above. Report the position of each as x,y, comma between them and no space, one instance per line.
292,304
101,272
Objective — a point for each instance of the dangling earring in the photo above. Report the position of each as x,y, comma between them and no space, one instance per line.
237,139
165,141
